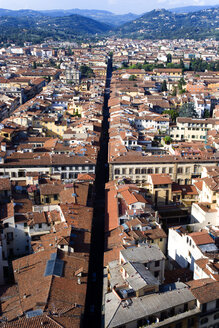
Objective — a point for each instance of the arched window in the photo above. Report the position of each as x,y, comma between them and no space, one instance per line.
204,320
216,316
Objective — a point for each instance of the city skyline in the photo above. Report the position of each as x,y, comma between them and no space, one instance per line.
116,6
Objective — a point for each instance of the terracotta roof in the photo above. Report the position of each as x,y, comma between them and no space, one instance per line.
50,189
35,322
5,184
86,177
158,179
201,238
198,184
78,216
207,293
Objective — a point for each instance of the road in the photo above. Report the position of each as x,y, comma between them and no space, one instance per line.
93,306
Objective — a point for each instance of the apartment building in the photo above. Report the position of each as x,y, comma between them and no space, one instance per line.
185,248
192,129
66,166
136,167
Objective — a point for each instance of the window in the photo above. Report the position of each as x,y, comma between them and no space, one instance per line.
204,307
130,171
157,263
156,274
123,171
161,239
185,307
21,174
216,316
55,197
10,236
40,225
163,170
170,170
137,171
203,321
117,171
178,325
5,225
25,224
191,322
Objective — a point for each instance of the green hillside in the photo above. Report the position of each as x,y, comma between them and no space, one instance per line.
161,24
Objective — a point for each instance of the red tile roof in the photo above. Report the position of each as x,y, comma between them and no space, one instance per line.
201,238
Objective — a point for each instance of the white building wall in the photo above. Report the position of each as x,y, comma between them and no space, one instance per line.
182,249
203,218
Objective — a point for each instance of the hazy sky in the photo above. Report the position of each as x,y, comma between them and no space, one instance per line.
116,6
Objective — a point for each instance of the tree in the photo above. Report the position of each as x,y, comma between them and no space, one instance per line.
164,86
174,92
169,58
181,65
132,78
167,140
206,113
125,65
86,71
70,53
187,110
181,83
172,113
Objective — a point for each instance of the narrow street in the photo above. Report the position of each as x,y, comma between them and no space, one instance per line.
92,316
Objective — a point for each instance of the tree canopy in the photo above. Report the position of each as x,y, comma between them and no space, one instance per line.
187,110
132,78
86,71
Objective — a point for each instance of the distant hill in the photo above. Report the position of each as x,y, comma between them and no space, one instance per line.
102,16
36,28
99,15
20,13
191,9
164,24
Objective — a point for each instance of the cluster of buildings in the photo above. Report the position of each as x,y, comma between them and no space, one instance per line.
161,262
49,143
